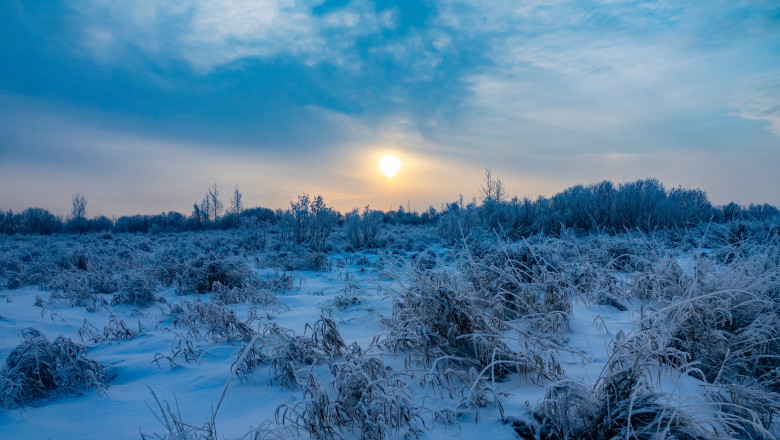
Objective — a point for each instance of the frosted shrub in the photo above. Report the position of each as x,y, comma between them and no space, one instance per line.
623,404
520,281
727,321
210,320
11,271
252,292
37,367
200,274
326,335
436,316
315,414
361,230
301,258
288,354
136,290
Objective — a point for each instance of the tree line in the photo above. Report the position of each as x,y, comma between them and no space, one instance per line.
642,204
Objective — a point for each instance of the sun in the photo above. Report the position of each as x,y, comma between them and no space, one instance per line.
389,165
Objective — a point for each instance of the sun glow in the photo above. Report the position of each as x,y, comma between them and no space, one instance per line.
389,165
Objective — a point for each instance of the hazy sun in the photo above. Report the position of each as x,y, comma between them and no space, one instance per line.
389,165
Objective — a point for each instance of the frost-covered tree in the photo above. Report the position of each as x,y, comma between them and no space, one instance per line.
236,202
492,188
79,206
210,207
215,205
39,221
308,221
78,214
7,222
361,231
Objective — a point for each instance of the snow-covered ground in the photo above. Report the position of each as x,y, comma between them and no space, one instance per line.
357,290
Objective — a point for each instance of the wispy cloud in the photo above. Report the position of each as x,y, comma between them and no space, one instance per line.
759,100
207,34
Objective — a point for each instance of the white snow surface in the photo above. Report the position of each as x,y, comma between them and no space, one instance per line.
123,412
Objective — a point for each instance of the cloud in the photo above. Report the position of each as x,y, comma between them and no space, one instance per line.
547,93
47,155
207,34
610,76
760,101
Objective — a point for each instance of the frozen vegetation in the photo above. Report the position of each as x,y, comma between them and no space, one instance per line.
325,326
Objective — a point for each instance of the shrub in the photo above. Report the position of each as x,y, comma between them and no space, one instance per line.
726,320
623,404
361,230
373,397
200,274
437,316
37,367
136,290
316,413
288,354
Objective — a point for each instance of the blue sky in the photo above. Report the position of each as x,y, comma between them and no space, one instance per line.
141,105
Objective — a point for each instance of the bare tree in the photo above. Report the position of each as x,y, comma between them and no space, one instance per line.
79,210
236,203
204,208
78,213
214,205
493,189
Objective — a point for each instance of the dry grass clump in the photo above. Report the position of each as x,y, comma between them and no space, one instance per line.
300,258
116,330
369,397
438,317
316,413
326,335
467,318
374,398
36,368
176,427
289,353
135,289
624,403
210,320
286,353
74,289
171,420
199,274
728,322
254,292
522,280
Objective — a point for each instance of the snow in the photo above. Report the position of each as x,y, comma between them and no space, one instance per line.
194,388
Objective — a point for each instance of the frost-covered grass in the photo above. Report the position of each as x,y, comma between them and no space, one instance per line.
220,334
37,368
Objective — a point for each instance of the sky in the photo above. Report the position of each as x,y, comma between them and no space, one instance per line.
142,105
